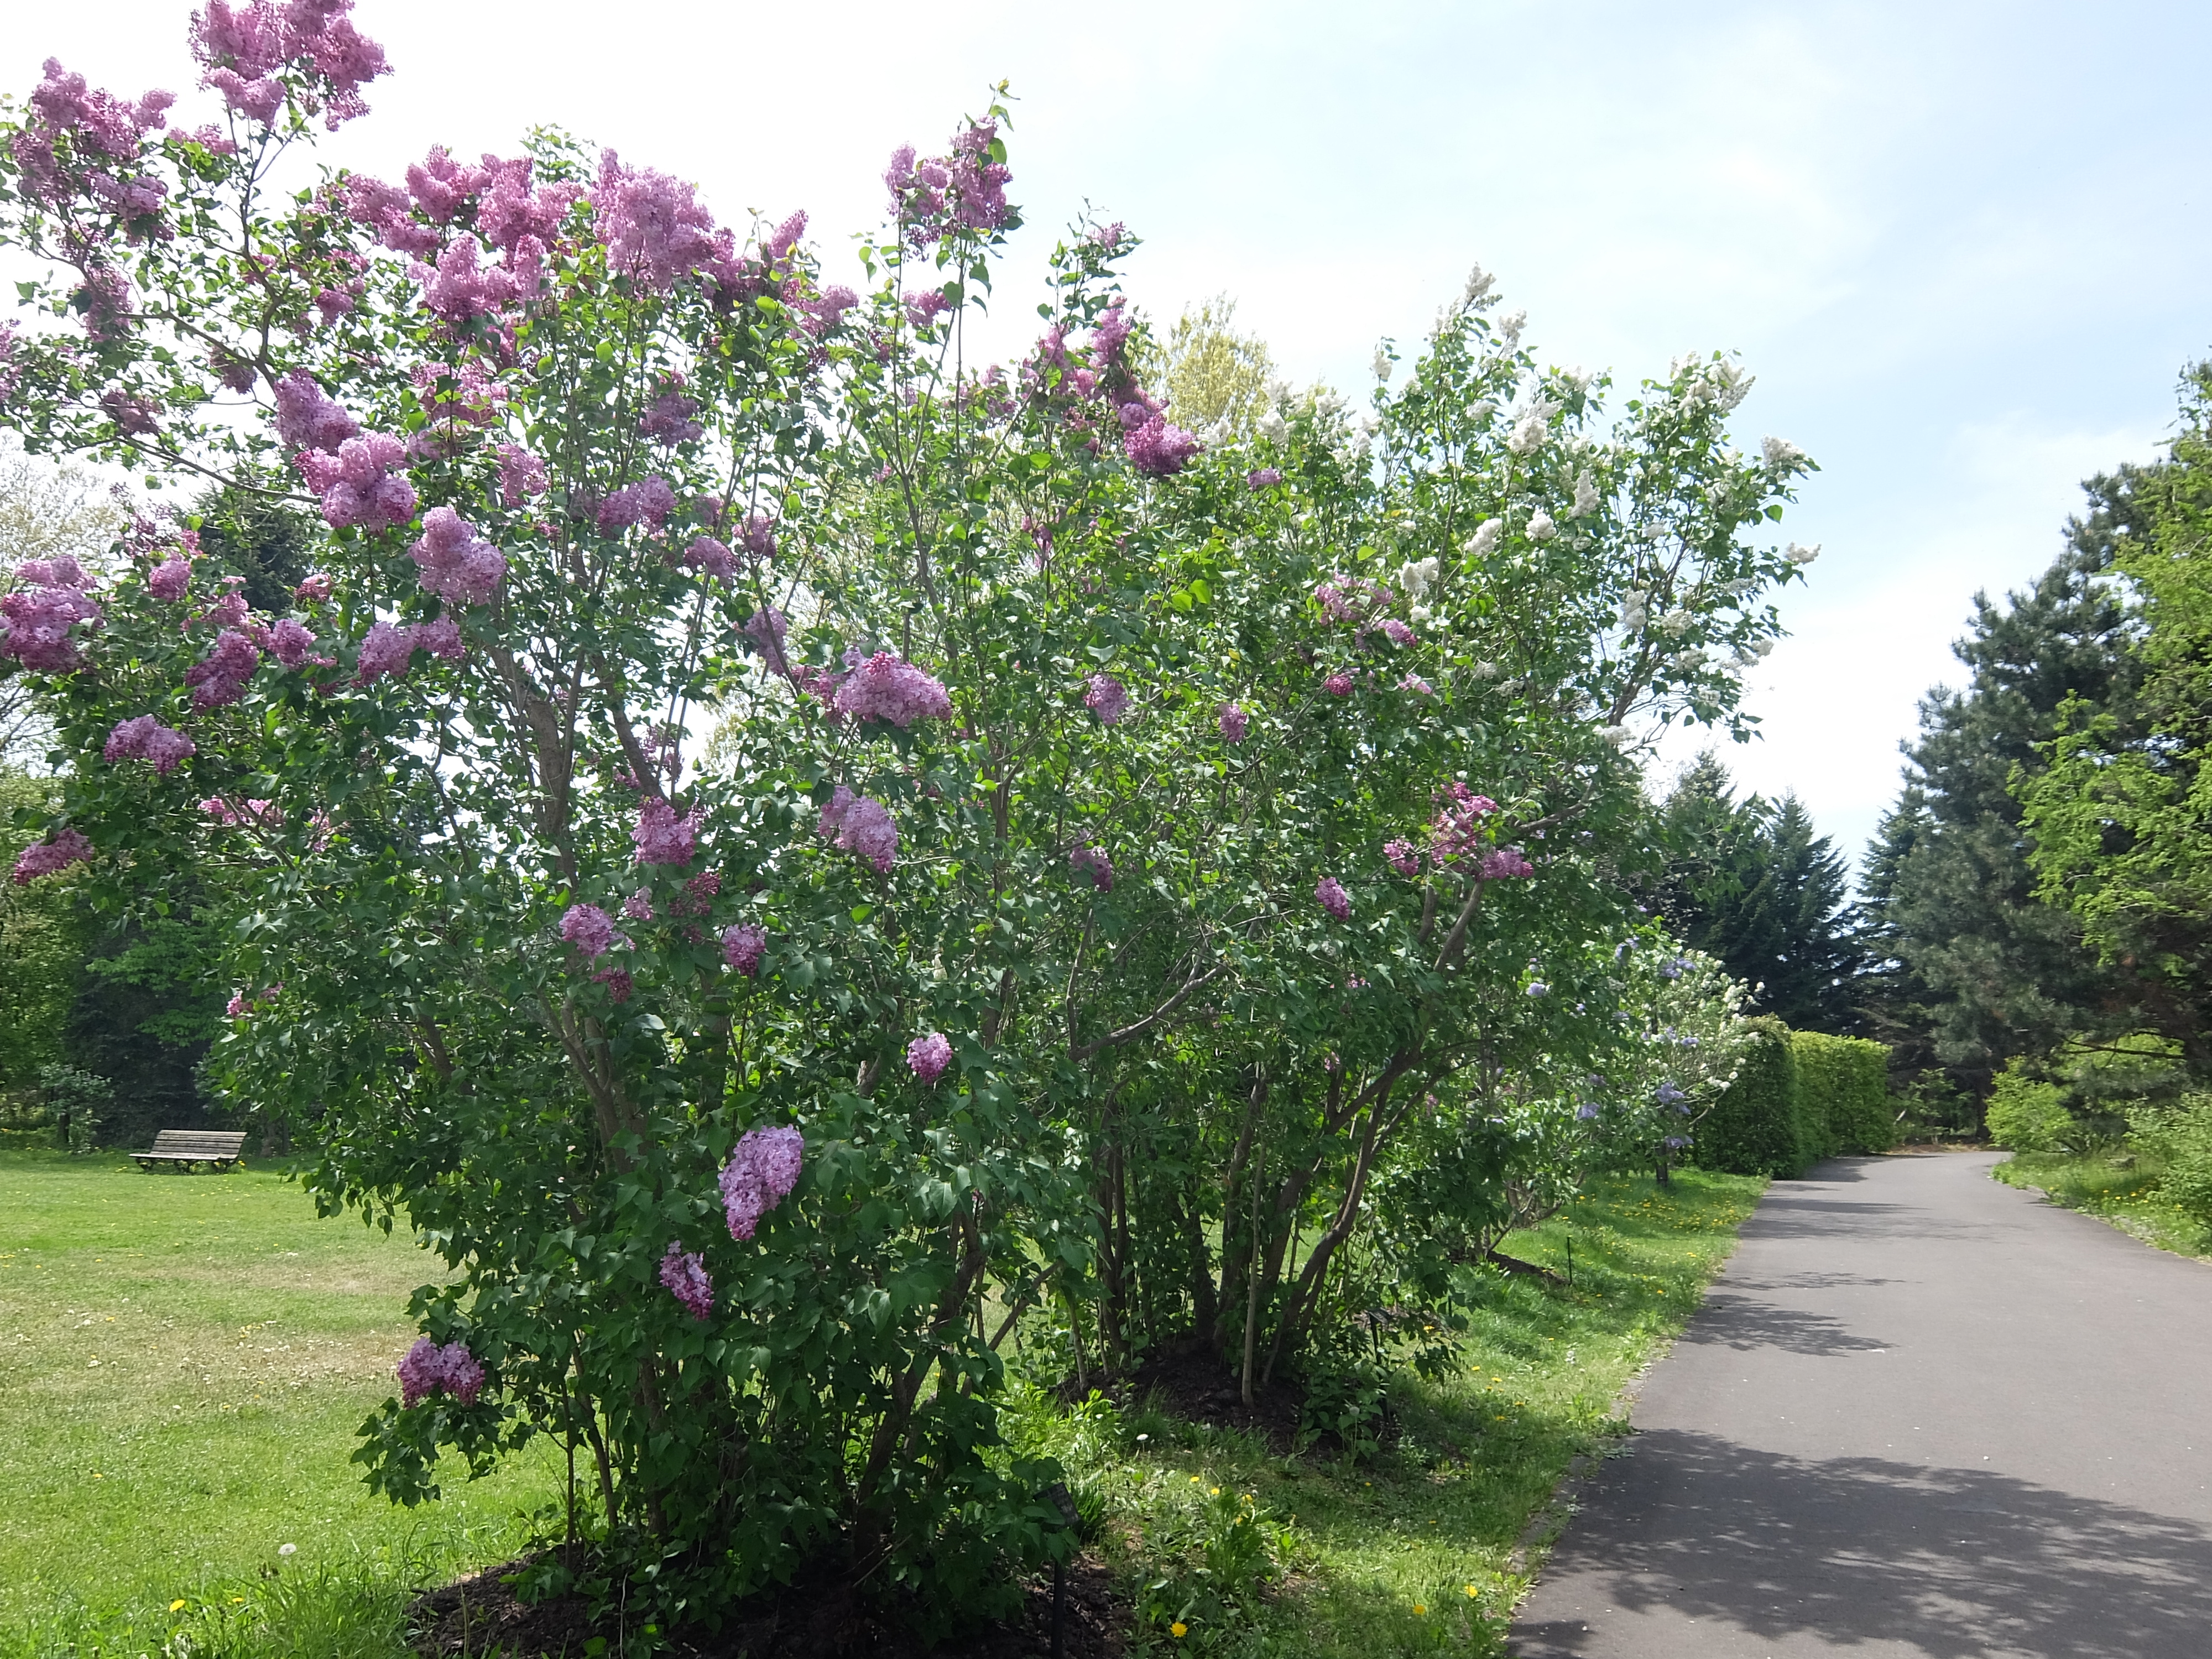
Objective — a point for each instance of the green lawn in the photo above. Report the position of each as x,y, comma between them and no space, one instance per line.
2127,1197
184,1360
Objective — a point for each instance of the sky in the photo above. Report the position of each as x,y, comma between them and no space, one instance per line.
1962,246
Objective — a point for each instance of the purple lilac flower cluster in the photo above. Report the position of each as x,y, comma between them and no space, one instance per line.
46,858
684,1273
1505,863
1093,861
590,929
1402,856
763,1168
428,1368
1235,723
169,579
1329,891
1108,698
146,738
388,649
927,1057
661,837
743,947
963,192
1456,829
219,679
456,563
36,617
862,826
648,501
888,688
243,48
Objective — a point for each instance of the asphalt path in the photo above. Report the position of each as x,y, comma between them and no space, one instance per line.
1920,1413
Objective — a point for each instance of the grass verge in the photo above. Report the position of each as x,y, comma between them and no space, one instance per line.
2123,1192
184,1360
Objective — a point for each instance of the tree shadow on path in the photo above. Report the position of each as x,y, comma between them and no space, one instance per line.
1812,1556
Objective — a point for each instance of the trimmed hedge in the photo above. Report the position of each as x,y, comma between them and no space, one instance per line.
1843,1094
1756,1127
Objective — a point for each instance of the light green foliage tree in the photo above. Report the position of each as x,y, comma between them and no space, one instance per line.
2025,1116
2118,821
1757,1126
1217,380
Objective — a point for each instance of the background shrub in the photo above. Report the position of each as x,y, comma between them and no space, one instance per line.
2025,1116
1843,1094
1756,1127
2182,1136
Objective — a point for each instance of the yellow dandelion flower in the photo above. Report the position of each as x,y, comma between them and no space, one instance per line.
177,1605
1215,1493
1178,1630
1418,1608
1470,1592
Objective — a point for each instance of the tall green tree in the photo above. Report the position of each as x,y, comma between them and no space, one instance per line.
2117,821
1753,884
1972,957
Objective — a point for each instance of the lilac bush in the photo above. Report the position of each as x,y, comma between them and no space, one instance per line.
709,679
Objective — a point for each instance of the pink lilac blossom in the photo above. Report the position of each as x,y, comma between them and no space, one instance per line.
590,929
44,858
653,226
1108,698
230,610
456,563
440,637
521,474
1093,861
1505,863
648,501
712,558
684,1273
428,1368
862,826
1403,856
758,535
307,417
356,485
618,982
888,688
743,947
1417,685
146,738
1335,605
440,184
220,679
1329,892
638,907
1235,723
169,579
965,190
763,1167
819,312
1398,634
511,211
1455,830
1263,477
922,309
316,590
1338,685
1110,335
928,1056
661,837
451,397
132,415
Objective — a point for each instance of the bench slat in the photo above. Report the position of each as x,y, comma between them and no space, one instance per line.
190,1146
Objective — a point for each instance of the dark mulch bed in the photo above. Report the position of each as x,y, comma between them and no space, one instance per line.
1189,1380
794,1622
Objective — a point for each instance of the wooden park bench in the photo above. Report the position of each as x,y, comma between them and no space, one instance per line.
183,1148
